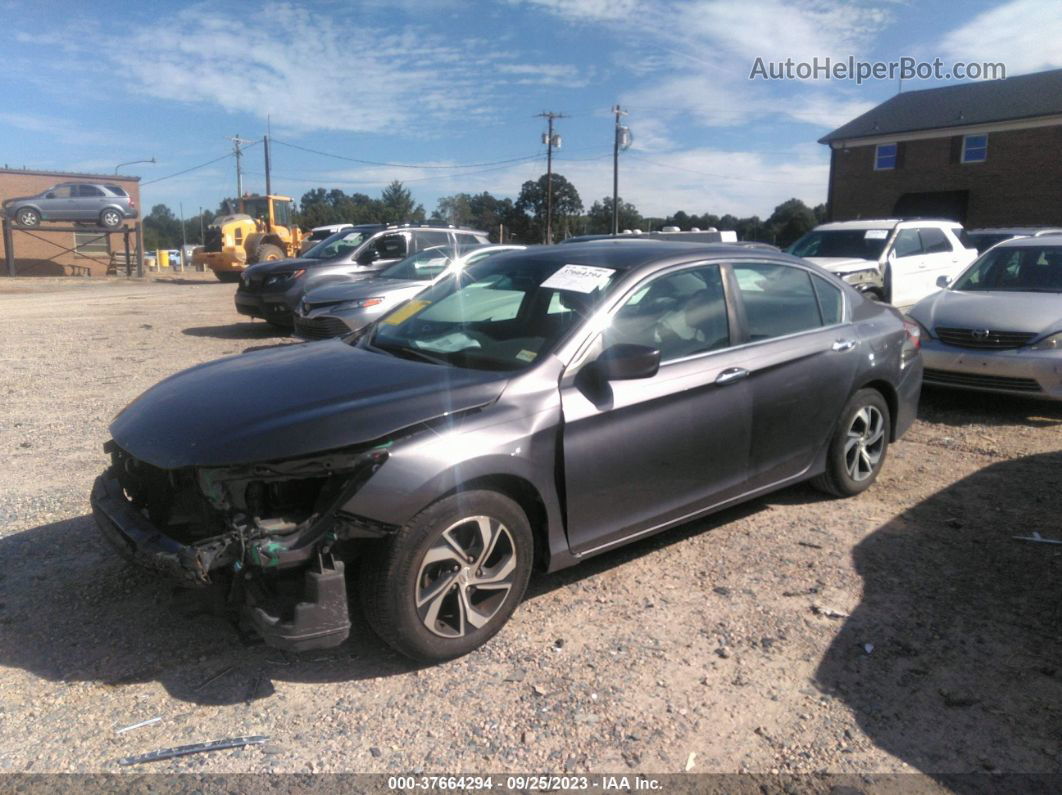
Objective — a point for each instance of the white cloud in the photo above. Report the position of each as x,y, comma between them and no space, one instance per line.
1023,34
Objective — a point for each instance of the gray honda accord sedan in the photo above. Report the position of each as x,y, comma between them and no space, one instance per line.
532,410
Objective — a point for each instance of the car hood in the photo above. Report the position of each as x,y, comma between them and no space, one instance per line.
843,264
263,269
338,292
291,401
1037,313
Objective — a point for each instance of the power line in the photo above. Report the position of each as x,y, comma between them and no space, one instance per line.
402,165
195,168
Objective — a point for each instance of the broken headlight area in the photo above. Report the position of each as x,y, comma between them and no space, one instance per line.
272,515
273,534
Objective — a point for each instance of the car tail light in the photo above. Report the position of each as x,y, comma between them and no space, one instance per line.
912,333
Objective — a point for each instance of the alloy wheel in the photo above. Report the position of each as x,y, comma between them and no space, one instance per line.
864,443
465,576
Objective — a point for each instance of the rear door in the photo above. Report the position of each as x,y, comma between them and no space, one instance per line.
88,202
801,357
908,268
941,258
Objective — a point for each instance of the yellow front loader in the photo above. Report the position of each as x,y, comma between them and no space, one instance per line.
259,230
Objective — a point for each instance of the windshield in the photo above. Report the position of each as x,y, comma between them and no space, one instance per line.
422,266
848,243
1027,269
256,208
499,314
336,245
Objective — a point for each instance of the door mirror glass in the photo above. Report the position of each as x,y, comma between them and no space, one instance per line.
626,361
943,281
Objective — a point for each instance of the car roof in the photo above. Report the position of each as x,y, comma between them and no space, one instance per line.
1042,240
1015,230
888,223
620,254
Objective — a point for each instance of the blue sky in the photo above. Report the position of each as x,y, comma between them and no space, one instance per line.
442,85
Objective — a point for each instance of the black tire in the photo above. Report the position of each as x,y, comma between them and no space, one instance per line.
227,276
110,218
27,216
397,571
267,252
886,288
841,479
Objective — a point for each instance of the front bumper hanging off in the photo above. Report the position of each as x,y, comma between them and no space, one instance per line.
320,619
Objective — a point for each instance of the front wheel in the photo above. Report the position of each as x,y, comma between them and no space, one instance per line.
267,252
857,449
27,216
449,579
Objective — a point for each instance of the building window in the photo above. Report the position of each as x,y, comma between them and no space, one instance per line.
974,148
885,157
92,244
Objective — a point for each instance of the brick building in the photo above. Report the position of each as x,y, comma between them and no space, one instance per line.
984,154
40,252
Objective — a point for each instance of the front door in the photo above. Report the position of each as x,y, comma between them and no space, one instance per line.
645,452
909,269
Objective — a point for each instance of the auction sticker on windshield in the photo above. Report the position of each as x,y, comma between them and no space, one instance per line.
876,234
578,278
404,313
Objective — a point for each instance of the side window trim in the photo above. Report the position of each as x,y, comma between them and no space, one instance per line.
747,342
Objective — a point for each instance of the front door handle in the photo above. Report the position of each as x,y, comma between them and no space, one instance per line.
730,375
843,345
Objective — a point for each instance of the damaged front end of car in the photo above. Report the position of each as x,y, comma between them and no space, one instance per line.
252,529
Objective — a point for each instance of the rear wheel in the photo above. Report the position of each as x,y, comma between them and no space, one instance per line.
267,252
110,218
27,216
449,580
857,449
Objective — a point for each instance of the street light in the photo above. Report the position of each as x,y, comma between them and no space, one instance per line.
132,163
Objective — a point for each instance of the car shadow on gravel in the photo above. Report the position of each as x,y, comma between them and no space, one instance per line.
238,331
957,408
952,661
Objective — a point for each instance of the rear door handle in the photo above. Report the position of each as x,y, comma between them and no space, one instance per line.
730,375
843,345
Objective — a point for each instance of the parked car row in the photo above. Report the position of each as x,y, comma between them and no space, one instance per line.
532,408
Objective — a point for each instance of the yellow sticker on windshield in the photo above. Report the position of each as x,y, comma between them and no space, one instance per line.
405,312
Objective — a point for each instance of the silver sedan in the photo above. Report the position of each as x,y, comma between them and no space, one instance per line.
339,308
998,327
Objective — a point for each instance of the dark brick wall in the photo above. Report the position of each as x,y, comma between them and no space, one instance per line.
41,254
1020,184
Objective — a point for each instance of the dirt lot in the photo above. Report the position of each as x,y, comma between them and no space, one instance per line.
901,631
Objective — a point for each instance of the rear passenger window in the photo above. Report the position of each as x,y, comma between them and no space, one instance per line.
778,299
425,240
469,239
830,301
934,240
88,190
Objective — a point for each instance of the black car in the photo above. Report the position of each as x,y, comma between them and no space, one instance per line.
272,290
532,410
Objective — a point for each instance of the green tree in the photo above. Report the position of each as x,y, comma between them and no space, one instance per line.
162,229
398,206
790,220
599,218
531,205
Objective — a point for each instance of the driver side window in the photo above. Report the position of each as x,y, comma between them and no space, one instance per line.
681,314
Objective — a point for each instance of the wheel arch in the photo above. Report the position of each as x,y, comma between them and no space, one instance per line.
892,400
524,493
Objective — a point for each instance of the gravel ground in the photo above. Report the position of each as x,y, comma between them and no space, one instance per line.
901,631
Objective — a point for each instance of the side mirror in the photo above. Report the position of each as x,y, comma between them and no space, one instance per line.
943,281
368,256
624,362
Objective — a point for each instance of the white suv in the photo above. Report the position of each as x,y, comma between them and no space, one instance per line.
892,260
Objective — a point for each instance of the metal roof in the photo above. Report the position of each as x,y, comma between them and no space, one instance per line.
962,105
67,176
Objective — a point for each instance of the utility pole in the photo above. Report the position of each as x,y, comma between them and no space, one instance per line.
237,141
184,236
202,228
617,133
550,140
265,140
